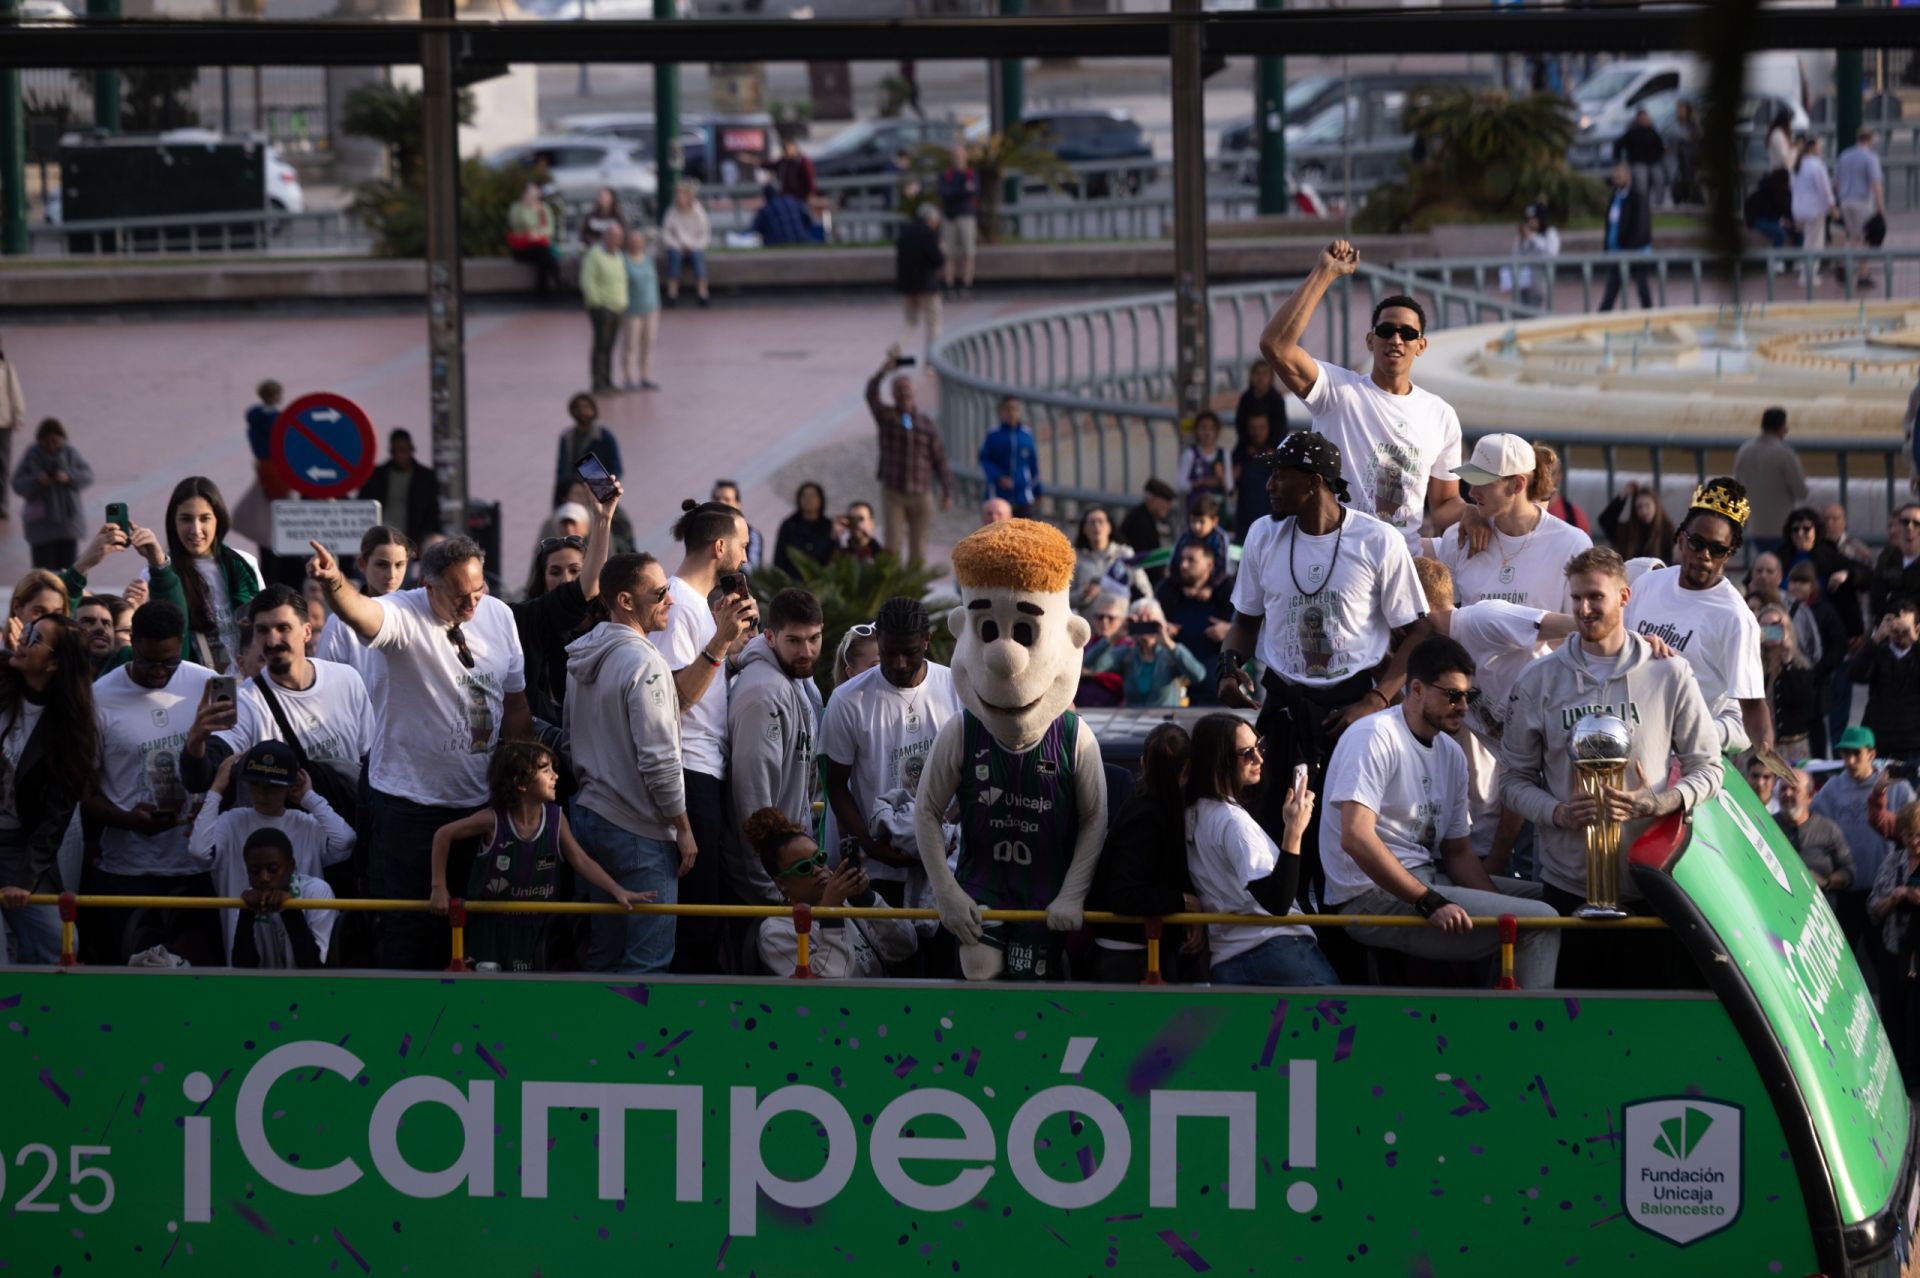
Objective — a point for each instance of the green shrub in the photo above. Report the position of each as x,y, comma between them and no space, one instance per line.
850,594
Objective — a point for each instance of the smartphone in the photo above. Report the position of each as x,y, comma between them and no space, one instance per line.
117,515
907,361
1299,776
1143,627
1773,632
222,688
733,583
593,472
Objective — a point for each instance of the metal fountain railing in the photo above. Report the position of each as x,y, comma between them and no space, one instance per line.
1096,378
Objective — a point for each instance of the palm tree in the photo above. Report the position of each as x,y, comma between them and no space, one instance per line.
392,116
994,158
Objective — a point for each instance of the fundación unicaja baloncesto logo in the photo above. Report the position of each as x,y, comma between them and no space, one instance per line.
1682,1170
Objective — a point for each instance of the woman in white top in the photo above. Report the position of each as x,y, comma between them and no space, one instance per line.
686,234
1237,869
1812,202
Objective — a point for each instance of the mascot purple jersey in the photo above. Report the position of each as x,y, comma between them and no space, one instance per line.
1019,818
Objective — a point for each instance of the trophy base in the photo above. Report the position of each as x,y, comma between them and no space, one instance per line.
1592,911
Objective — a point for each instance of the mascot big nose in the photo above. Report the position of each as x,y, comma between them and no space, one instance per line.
1025,769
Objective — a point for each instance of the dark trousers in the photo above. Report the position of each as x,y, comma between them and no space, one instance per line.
55,555
1596,959
1290,725
401,866
1618,279
606,327
111,937
698,942
546,267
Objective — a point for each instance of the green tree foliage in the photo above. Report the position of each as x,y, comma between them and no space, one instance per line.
994,158
850,594
396,208
1484,156
392,116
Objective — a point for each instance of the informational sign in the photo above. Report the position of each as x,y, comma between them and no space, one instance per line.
337,525
297,1123
1784,941
324,443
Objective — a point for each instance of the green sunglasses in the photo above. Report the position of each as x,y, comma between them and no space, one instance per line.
805,866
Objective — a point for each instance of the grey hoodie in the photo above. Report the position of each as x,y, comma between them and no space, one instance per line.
1660,702
623,727
772,733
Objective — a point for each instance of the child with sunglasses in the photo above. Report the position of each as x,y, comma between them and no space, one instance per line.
527,838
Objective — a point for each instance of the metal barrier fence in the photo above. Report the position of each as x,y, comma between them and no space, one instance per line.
1096,379
263,231
70,904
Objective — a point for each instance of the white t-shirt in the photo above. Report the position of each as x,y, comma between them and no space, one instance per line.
441,720
1418,794
703,728
1390,445
320,837
333,717
1530,570
1713,629
1332,603
884,733
339,643
13,744
141,732
1226,850
1503,639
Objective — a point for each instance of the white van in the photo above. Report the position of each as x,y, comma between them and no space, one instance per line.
1605,101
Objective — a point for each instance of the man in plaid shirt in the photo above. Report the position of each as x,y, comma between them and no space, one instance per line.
912,456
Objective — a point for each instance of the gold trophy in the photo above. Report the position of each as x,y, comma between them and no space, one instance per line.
1600,747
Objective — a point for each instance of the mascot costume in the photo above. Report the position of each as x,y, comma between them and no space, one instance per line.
1026,771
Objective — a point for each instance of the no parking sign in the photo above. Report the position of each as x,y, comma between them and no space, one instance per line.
324,445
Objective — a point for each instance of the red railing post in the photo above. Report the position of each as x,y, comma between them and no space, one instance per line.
457,921
69,911
802,928
1154,928
1509,935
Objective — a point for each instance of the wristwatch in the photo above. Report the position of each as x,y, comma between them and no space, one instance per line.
1431,904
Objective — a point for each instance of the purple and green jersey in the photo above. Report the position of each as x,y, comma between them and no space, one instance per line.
1019,815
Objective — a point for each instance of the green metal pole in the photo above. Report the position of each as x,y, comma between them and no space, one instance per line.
666,121
1269,125
1013,95
1846,94
106,83
13,154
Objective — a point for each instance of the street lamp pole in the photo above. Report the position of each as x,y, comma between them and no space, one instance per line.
446,323
1192,356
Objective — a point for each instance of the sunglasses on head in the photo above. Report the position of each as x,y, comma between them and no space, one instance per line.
1711,549
865,630
570,541
806,865
459,640
1386,332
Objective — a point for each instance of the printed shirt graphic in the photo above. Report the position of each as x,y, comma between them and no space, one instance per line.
1418,794
13,744
511,868
1529,570
1340,619
1713,629
1390,445
1019,815
883,733
141,733
333,716
1682,1167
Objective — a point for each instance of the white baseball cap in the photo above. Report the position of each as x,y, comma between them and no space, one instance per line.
1497,457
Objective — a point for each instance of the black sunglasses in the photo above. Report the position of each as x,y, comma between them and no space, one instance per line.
571,542
1258,750
1909,523
1386,332
459,641
1711,549
1456,696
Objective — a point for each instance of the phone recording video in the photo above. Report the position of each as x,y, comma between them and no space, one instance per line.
594,474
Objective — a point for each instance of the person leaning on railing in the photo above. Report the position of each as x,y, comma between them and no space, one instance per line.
839,947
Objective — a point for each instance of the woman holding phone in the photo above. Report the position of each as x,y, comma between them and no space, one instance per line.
218,581
558,606
1154,669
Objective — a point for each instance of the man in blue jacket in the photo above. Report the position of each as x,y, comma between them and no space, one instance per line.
1010,462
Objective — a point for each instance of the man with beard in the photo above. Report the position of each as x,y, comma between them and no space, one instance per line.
773,715
318,708
879,725
1399,444
1327,592
1694,611
1199,610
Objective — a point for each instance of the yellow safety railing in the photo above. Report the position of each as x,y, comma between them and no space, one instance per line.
70,904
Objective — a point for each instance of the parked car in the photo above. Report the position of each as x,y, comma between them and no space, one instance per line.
44,13
867,147
283,190
638,127
1593,153
578,165
1607,100
1309,98
1378,144
1089,135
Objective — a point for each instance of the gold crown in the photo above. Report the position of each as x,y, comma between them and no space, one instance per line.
1718,502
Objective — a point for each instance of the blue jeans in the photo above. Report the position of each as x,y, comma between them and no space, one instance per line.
36,932
1278,960
639,864
695,257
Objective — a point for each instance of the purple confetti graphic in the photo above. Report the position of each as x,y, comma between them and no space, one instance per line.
139,1103
358,1259
722,1255
1343,1048
1178,1246
1573,1008
632,993
1085,1157
905,1067
673,1042
10,1001
1547,1100
46,1078
1273,1033
481,1051
973,1059
406,1045
1474,1104
1331,1010
1171,1048
252,1217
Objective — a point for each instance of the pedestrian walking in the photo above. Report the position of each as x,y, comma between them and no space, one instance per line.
49,479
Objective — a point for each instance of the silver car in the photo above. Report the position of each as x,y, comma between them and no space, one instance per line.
578,165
